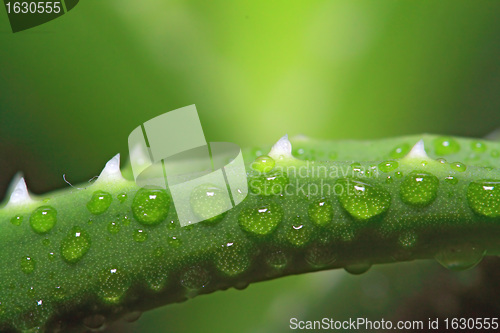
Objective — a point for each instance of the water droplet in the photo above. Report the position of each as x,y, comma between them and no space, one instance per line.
195,278
478,146
209,203
400,151
357,169
16,220
419,188
408,239
75,245
27,265
277,259
320,256
140,235
321,212
113,227
51,256
263,164
114,284
389,180
171,225
273,183
132,317
261,220
388,166
122,197
451,180
298,234
232,259
398,174
46,242
361,200
458,166
446,145
43,219
94,322
441,160
357,269
484,197
99,203
174,242
460,257
150,206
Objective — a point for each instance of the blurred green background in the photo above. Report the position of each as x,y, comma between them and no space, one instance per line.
71,91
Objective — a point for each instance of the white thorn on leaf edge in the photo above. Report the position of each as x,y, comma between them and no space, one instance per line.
111,171
282,148
18,190
418,151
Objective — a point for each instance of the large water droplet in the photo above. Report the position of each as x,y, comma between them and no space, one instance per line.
273,183
298,234
261,220
114,284
27,265
209,202
263,164
43,219
150,206
419,188
484,197
362,200
99,203
232,259
460,257
321,212
75,245
446,145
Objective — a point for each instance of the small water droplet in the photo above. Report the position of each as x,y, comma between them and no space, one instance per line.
113,227
298,234
232,259
261,220
277,259
99,202
446,145
150,206
75,245
388,166
389,180
94,322
458,166
320,256
398,174
140,235
419,188
400,151
174,241
122,197
321,212
27,265
46,242
357,269
263,164
451,180
16,220
273,183
195,278
478,146
460,257
43,219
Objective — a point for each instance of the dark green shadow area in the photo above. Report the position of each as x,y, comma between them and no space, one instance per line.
28,14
